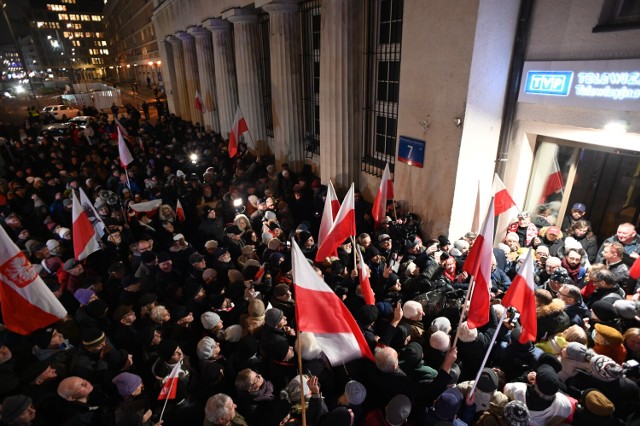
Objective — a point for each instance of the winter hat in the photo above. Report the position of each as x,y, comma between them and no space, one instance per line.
53,245
195,257
209,320
597,403
272,317
209,273
411,308
122,311
338,417
355,392
410,356
441,324
516,413
233,333
397,410
92,336
367,314
126,383
467,335
392,280
627,309
42,337
547,380
178,312
611,335
166,349
83,295
440,341
70,264
13,406
577,352
605,369
205,348
560,275
147,298
605,311
280,290
384,309
62,231
278,348
448,403
211,244
291,392
274,244
488,381
97,308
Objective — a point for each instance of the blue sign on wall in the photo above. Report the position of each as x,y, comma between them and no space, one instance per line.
411,151
554,83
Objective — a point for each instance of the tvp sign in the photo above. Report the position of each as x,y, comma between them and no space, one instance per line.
551,83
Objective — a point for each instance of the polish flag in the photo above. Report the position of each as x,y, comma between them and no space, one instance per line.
239,128
26,301
85,240
170,383
148,207
123,151
120,127
92,214
521,296
179,211
329,213
501,197
634,272
320,311
198,101
554,182
344,226
385,192
478,264
365,284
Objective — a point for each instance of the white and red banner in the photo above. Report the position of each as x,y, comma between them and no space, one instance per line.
120,127
321,312
365,284
123,151
170,383
26,301
239,128
180,211
148,207
85,240
385,192
198,102
329,213
478,264
501,198
92,214
344,226
521,296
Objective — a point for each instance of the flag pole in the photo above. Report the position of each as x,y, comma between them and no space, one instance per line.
355,254
486,355
126,173
248,131
166,399
299,351
472,285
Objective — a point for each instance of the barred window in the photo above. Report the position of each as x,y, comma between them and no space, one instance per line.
309,12
619,15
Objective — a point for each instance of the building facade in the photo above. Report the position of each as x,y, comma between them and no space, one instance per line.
432,87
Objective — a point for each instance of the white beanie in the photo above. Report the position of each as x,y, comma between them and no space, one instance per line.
441,324
411,308
209,320
440,341
205,347
467,335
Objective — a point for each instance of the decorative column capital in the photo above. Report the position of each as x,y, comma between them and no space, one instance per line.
197,31
239,15
216,24
184,36
274,6
171,39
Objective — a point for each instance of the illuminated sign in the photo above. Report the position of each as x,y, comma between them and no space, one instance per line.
613,84
411,151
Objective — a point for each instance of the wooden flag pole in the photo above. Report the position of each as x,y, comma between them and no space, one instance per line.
355,254
464,309
486,355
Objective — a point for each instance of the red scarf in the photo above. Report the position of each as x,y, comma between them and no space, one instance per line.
573,272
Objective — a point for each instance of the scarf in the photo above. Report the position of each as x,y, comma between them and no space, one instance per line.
573,272
265,393
451,277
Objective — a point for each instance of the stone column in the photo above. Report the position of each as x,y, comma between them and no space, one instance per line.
204,52
191,73
286,83
168,74
179,82
225,72
340,87
247,44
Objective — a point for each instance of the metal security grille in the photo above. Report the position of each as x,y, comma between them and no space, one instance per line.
309,13
384,40
265,71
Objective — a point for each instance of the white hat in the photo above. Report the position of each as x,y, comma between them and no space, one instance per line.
467,335
205,347
209,320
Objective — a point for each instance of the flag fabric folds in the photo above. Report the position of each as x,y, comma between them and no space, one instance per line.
385,192
344,226
148,207
239,128
521,296
501,198
198,102
85,241
180,211
634,272
365,283
329,213
478,264
92,214
120,127
27,303
554,182
320,311
170,385
123,151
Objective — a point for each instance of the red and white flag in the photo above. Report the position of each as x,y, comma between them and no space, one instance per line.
120,127
148,207
170,383
634,271
92,214
385,192
329,213
521,296
198,102
365,284
125,155
554,182
478,264
85,240
320,311
239,128
26,301
344,226
179,211
501,197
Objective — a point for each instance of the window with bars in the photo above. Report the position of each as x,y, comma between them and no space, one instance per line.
619,15
309,12
384,40
265,71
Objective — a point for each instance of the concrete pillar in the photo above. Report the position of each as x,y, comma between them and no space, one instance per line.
286,83
168,74
225,72
191,73
179,82
204,52
247,50
340,86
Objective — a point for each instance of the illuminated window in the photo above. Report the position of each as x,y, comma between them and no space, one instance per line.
88,34
75,43
97,61
103,43
63,17
74,17
39,24
96,18
56,8
85,17
78,35
67,34
68,1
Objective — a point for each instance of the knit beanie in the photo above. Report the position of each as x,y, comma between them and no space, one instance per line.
13,406
367,314
272,317
278,348
126,383
83,295
92,336
42,337
467,335
355,392
411,308
516,413
605,369
605,311
627,309
209,320
547,380
577,351
441,324
166,349
488,381
440,341
448,403
205,347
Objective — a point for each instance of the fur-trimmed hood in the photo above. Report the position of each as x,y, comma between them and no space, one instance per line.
552,308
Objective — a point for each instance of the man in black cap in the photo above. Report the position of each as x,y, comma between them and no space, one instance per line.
233,240
166,274
211,227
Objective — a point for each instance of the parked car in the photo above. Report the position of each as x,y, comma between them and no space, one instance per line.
59,112
80,121
55,130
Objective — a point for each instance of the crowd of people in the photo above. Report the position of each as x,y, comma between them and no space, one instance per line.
207,292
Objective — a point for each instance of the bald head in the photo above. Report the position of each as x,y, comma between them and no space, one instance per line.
75,389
